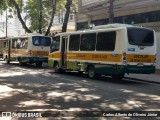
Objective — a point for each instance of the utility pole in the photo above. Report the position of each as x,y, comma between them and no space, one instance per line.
6,23
111,14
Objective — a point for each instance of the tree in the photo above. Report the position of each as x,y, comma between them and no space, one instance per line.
20,17
67,6
4,4
40,15
52,17
111,14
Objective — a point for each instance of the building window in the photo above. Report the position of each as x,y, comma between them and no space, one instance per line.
139,18
72,16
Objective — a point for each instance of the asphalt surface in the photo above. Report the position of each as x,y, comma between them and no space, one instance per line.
39,89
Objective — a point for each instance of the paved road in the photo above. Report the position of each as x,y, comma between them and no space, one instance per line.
33,89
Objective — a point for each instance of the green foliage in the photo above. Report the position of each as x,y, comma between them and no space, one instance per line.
60,4
3,5
31,9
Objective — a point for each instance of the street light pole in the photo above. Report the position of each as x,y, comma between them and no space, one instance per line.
111,14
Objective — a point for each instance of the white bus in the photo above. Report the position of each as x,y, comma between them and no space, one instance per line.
30,48
105,50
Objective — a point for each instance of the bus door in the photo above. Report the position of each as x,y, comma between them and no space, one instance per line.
64,51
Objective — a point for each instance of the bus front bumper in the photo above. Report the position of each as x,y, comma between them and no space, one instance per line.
140,69
38,59
120,69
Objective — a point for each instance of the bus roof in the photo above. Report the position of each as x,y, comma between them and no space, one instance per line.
116,25
102,28
89,31
26,35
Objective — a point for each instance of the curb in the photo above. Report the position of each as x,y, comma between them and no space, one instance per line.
137,79
157,71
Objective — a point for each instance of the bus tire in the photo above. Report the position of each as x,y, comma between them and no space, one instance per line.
6,59
118,77
91,72
56,67
38,64
20,62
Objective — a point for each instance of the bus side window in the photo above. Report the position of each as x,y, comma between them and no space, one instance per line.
55,44
88,42
74,42
106,41
18,44
14,43
24,44
5,45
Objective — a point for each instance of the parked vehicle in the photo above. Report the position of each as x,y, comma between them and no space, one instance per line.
112,50
30,48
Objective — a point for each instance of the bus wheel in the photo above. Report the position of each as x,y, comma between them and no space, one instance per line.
91,72
38,64
118,77
6,59
20,62
56,67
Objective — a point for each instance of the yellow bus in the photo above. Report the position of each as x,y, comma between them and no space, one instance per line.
113,50
30,48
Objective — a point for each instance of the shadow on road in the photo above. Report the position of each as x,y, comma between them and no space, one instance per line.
30,89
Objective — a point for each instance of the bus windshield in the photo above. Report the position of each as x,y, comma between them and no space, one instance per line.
55,44
41,41
140,36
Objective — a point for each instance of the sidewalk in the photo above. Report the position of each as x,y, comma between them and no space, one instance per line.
155,78
157,71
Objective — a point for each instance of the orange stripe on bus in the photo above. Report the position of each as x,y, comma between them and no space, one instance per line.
39,53
26,52
90,56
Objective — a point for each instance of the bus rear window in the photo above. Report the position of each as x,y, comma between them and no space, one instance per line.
41,41
140,36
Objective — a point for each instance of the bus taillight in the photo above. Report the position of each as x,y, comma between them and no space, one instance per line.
124,55
155,59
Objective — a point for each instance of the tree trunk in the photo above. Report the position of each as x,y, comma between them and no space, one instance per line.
20,17
68,4
40,16
52,17
111,14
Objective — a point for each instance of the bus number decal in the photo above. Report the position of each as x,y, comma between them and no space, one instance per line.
99,56
140,60
140,56
80,55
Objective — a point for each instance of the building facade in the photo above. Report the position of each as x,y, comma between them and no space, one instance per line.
141,12
10,20
58,22
137,12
